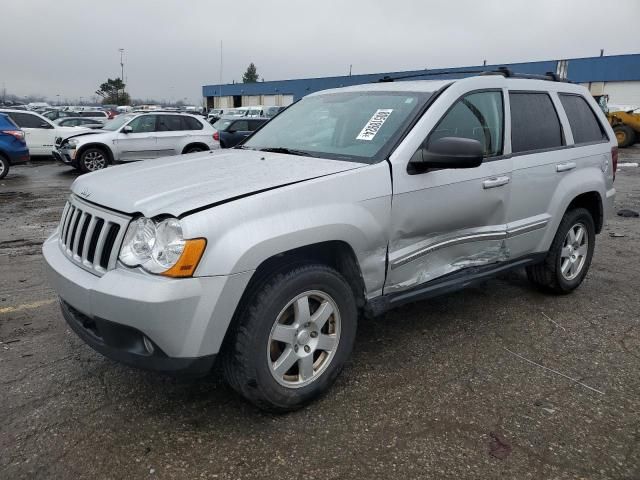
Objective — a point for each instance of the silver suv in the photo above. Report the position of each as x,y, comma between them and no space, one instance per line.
349,203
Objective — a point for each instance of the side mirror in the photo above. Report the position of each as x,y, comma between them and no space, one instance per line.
449,152
127,129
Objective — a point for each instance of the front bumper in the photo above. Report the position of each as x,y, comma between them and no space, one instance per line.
65,156
185,320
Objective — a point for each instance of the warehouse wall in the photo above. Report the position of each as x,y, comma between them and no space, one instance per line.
620,93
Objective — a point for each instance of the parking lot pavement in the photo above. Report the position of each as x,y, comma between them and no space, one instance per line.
495,381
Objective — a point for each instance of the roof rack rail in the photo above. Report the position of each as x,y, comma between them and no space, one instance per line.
504,71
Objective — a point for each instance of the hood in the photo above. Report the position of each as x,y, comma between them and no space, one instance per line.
179,184
77,132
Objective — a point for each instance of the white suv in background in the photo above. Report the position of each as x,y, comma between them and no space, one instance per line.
137,136
40,132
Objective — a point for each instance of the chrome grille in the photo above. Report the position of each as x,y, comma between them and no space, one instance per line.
90,236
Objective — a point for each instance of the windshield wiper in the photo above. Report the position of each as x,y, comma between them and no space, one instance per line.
285,150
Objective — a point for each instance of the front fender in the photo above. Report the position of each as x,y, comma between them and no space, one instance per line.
353,207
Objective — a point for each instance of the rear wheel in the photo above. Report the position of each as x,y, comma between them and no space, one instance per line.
92,160
194,148
569,257
291,338
4,166
625,135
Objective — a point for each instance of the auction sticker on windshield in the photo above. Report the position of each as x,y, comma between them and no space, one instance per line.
374,124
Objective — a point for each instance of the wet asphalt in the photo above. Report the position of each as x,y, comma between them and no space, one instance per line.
497,381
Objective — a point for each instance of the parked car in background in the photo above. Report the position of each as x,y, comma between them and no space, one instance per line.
79,122
93,114
13,147
40,132
265,257
136,136
56,114
231,131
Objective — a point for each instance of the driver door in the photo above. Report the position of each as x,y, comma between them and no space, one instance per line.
444,220
141,142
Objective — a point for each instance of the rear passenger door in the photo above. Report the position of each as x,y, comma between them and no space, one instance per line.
171,132
538,146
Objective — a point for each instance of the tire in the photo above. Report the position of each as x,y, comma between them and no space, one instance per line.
194,148
269,330
625,135
93,159
565,267
4,167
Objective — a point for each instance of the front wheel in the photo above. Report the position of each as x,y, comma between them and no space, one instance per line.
4,167
291,338
569,257
92,160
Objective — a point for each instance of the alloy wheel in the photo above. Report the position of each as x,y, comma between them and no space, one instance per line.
574,251
94,160
304,339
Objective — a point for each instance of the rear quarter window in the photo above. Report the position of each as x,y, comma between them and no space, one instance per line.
583,121
534,122
191,123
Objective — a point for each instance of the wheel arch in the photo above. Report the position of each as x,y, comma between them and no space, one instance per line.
591,201
195,144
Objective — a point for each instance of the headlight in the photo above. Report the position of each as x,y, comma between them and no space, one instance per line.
72,142
159,247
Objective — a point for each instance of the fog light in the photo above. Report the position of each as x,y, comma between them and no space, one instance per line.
148,346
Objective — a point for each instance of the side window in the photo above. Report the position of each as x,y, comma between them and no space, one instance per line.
240,126
26,120
143,124
534,122
254,125
191,123
479,116
169,123
583,122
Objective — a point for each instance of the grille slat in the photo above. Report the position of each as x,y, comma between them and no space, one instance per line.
91,236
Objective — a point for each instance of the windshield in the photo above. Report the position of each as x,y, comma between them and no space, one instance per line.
116,123
352,126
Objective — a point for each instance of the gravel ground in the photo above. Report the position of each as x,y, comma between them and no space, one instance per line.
445,388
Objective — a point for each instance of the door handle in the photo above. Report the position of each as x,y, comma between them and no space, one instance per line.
565,167
494,182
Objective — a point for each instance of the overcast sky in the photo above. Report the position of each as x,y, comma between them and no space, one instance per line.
172,47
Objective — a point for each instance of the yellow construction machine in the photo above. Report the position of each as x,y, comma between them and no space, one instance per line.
625,123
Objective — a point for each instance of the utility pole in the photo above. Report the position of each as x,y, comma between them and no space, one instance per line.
350,67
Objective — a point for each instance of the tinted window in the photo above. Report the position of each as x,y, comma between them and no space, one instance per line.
26,120
169,123
583,122
240,126
143,124
191,123
255,124
479,116
534,122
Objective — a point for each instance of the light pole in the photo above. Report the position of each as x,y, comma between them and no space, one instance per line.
121,50
58,98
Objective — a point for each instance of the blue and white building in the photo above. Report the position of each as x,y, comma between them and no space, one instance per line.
616,75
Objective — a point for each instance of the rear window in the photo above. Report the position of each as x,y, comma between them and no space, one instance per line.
583,122
534,122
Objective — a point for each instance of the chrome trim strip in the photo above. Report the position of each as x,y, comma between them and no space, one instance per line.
448,243
500,235
527,228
